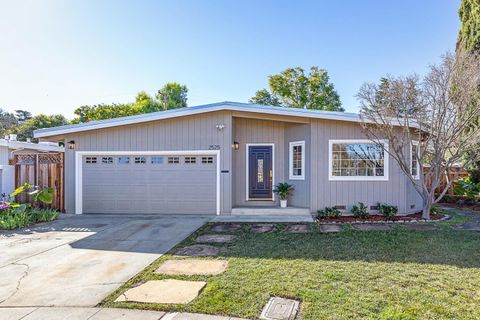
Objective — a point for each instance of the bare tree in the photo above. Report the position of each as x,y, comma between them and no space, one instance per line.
438,117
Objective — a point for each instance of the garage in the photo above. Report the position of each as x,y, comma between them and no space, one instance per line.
143,183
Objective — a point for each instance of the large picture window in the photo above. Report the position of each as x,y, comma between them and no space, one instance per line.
357,160
297,160
414,165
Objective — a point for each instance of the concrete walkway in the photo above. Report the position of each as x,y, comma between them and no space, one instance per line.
264,218
77,261
76,313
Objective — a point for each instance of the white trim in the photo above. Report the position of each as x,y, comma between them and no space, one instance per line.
247,146
416,177
290,160
386,169
79,166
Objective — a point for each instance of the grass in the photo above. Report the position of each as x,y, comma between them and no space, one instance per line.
400,274
10,220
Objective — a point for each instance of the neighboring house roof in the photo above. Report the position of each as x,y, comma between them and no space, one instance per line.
42,146
227,105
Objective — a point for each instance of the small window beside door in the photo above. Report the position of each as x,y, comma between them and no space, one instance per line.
297,160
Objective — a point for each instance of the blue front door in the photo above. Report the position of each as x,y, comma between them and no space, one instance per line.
260,172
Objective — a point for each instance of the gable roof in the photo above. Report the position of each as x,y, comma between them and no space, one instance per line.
219,106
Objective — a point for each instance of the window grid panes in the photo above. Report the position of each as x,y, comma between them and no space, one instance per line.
358,160
107,160
414,162
91,160
123,160
173,160
190,160
207,159
140,160
156,160
297,154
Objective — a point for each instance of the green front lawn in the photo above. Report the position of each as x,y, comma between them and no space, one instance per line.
399,274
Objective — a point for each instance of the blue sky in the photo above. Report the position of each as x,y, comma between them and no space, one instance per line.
58,55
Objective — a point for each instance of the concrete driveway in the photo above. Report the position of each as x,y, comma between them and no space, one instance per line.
78,260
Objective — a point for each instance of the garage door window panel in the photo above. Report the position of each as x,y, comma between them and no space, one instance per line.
123,160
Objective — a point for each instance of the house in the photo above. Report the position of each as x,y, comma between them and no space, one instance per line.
9,147
216,158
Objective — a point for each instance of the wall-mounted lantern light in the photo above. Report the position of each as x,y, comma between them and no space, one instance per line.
219,127
71,144
236,145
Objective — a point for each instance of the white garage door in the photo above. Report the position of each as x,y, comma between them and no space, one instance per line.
149,184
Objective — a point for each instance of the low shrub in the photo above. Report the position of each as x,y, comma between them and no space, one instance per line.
25,216
360,210
387,210
328,212
459,199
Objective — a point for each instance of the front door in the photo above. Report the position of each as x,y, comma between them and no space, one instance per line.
260,173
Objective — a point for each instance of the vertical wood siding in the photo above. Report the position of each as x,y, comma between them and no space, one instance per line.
195,132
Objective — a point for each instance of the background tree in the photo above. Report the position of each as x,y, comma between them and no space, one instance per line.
264,97
25,130
145,103
295,89
172,96
8,121
22,115
446,102
469,35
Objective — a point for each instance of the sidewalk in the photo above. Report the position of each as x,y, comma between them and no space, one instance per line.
77,313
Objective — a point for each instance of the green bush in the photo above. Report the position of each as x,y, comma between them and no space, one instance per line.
328,212
466,187
19,218
387,210
360,210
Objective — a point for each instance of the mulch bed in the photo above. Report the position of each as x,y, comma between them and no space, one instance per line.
473,206
379,218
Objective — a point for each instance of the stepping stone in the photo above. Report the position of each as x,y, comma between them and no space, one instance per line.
421,227
226,227
330,228
262,227
216,238
280,309
468,226
164,291
198,250
193,267
297,228
371,227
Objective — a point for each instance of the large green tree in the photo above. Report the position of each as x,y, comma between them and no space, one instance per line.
469,35
25,130
172,96
8,121
296,88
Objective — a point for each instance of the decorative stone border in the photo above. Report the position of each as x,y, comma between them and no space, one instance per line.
446,217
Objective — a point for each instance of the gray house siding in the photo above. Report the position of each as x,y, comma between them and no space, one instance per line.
346,193
197,132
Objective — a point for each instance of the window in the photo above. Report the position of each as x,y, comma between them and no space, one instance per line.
351,160
107,160
140,160
207,159
156,160
297,160
173,160
123,160
190,160
90,159
414,165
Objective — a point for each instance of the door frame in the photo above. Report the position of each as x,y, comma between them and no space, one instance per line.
247,152
79,168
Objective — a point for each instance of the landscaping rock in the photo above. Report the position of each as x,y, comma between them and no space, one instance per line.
198,250
280,309
192,267
372,227
226,227
297,228
262,227
164,291
216,238
468,226
421,227
330,228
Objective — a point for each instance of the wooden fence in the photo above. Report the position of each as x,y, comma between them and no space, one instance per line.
456,173
43,170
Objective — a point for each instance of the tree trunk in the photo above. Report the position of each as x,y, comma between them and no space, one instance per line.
427,206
